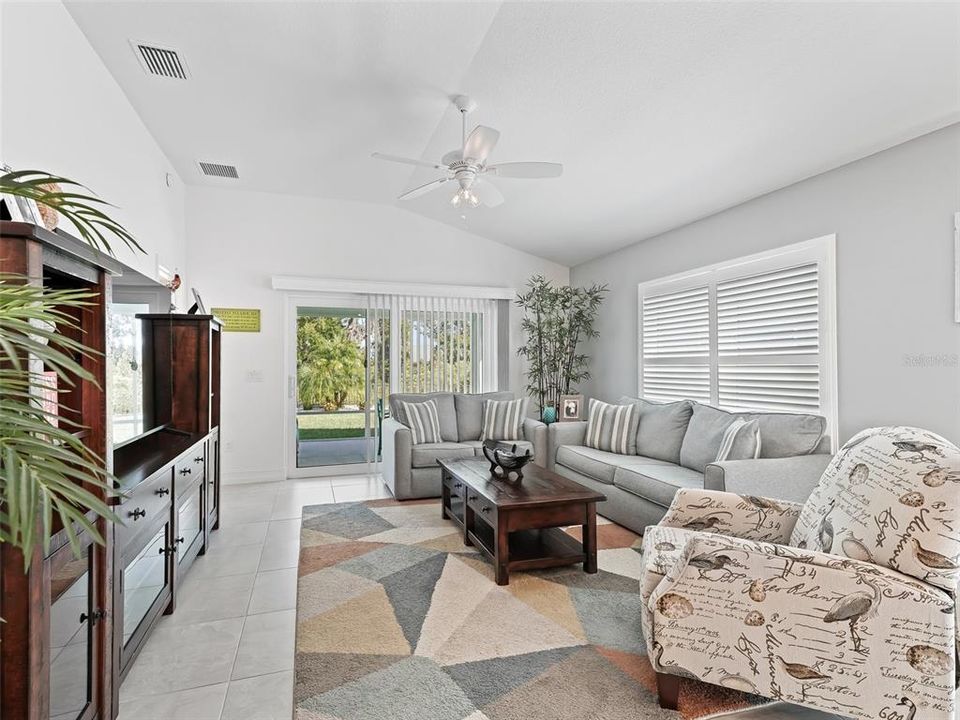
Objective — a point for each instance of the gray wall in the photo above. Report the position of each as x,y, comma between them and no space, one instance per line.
892,214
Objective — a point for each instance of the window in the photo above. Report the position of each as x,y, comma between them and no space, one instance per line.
756,333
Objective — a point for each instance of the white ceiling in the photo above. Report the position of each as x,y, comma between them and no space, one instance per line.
662,113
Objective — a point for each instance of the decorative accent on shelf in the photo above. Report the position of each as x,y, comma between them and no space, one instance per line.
549,414
503,463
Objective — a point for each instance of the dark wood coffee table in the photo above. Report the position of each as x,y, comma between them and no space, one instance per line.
518,526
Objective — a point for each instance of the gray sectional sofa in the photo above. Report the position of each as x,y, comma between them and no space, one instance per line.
677,444
411,471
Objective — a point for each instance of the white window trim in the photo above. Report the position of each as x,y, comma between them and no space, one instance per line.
821,250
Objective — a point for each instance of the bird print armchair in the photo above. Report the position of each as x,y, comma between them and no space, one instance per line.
845,604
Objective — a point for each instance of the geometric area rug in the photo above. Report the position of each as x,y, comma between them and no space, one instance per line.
398,620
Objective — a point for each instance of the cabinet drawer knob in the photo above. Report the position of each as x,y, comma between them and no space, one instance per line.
185,471
458,485
473,497
138,513
97,614
198,459
163,491
179,540
484,509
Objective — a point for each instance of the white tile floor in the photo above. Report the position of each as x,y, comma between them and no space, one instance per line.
227,651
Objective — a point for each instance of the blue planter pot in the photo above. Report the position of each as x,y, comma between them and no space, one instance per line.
549,414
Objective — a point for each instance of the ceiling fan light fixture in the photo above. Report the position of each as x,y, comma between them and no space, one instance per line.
463,196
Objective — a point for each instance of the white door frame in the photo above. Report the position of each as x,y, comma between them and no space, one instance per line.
293,301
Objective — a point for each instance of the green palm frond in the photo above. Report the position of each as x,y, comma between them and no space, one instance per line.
46,471
84,209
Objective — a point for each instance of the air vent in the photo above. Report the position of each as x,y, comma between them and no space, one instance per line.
218,170
160,61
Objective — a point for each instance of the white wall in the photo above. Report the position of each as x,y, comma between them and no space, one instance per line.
237,240
893,217
63,112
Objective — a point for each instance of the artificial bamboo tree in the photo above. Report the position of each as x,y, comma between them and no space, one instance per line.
45,470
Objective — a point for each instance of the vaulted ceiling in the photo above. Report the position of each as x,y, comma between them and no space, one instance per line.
662,113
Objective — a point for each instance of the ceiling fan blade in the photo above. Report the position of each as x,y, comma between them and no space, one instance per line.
423,189
480,143
526,169
487,193
408,161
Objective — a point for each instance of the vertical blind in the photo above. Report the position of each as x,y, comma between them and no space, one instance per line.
744,337
430,344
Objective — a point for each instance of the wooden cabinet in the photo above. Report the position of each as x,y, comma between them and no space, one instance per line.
56,656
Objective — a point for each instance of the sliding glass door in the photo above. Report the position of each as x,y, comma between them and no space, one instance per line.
332,423
347,354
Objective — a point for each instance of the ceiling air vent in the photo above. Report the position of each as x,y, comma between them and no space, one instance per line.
160,61
218,170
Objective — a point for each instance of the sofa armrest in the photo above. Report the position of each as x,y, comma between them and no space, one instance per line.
789,478
397,457
749,517
535,432
563,433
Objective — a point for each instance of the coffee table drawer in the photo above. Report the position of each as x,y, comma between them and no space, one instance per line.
482,508
560,516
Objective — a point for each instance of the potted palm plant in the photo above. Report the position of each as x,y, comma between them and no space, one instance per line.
45,470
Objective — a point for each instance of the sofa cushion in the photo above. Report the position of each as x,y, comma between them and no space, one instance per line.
704,435
597,464
427,454
470,412
657,481
781,434
424,421
503,419
522,446
741,441
612,427
662,427
445,410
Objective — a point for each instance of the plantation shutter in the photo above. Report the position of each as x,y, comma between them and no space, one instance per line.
676,345
768,340
753,334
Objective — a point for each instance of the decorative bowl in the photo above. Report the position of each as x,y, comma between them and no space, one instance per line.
505,464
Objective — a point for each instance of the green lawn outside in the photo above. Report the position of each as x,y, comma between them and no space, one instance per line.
329,426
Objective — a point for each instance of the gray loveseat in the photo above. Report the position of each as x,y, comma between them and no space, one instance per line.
677,444
411,471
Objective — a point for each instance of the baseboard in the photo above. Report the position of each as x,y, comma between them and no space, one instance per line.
241,477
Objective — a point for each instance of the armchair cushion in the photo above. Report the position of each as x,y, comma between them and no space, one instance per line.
742,516
470,412
827,632
890,496
445,410
426,455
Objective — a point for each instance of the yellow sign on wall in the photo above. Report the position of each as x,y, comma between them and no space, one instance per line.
239,319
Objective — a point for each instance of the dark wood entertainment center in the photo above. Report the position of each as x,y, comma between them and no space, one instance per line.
73,626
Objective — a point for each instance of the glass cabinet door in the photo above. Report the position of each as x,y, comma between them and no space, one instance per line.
190,527
144,579
72,616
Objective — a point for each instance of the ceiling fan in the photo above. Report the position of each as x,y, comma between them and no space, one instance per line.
468,166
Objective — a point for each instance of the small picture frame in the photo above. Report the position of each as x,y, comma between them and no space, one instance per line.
198,306
571,407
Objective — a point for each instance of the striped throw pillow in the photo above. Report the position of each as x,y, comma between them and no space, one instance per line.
613,427
423,419
740,441
503,419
